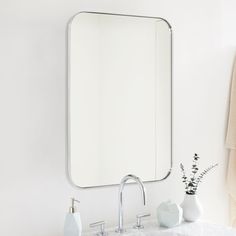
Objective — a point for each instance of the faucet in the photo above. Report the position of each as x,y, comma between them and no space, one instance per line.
122,184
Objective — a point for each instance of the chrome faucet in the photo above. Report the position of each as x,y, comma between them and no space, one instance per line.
122,184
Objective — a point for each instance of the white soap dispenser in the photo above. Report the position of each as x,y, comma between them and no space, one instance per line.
73,226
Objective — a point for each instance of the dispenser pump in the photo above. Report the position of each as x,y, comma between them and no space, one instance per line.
72,208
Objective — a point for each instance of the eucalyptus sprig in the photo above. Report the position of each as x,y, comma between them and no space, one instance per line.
192,183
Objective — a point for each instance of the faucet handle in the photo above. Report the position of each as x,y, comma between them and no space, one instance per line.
138,224
100,224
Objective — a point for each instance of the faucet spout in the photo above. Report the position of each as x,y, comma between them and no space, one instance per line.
121,188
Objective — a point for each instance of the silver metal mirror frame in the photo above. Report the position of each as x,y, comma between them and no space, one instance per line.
67,101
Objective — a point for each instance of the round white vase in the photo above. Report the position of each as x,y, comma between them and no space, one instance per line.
192,208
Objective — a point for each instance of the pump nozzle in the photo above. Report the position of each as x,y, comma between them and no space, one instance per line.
72,208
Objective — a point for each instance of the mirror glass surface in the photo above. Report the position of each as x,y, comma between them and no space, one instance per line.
119,98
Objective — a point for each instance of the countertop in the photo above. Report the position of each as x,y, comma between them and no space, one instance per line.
198,228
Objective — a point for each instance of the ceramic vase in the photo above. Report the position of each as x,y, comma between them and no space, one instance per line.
169,214
192,208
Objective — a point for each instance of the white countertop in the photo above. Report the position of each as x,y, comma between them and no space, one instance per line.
198,228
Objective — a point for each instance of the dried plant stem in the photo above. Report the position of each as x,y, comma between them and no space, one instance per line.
192,183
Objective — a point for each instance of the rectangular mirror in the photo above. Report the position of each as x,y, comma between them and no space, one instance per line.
119,98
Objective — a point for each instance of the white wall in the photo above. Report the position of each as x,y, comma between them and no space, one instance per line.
34,191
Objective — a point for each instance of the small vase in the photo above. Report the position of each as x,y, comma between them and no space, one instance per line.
192,208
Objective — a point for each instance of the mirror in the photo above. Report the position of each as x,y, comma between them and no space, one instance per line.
119,98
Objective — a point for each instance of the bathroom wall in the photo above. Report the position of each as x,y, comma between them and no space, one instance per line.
34,193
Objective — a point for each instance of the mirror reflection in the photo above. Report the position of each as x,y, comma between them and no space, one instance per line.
119,116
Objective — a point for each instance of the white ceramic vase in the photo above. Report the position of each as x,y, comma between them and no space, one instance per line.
192,208
169,214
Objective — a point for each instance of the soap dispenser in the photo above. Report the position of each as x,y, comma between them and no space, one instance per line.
73,226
